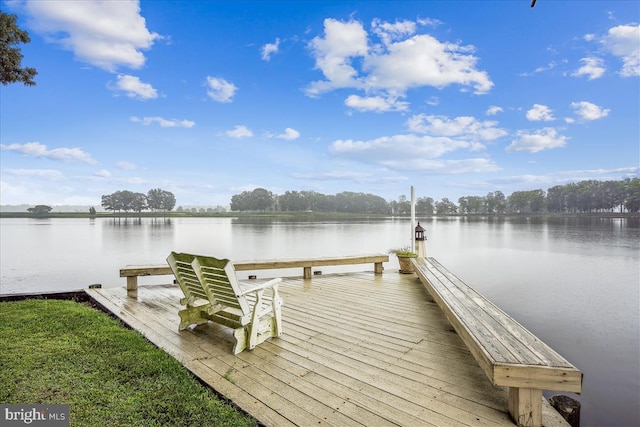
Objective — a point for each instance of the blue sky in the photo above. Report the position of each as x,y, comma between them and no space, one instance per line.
209,99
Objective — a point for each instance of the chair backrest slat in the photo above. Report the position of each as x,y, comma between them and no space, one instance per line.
190,279
219,277
181,265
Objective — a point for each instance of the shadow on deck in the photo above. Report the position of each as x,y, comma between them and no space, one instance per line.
358,350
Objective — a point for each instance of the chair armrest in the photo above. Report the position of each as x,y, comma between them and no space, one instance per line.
265,285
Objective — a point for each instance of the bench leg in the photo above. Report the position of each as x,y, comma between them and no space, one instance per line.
307,272
525,406
377,268
132,286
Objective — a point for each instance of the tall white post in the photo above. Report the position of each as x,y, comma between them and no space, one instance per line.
413,220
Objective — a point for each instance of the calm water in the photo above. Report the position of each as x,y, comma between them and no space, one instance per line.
573,282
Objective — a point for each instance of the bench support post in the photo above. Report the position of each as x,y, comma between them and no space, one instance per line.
377,267
307,272
525,406
132,286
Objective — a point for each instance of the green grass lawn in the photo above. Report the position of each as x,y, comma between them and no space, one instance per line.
64,352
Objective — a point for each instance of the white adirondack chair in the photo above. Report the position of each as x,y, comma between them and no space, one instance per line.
254,313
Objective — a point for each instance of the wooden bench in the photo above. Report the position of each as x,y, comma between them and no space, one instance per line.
509,354
132,272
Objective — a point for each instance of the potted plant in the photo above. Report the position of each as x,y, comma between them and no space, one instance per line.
404,259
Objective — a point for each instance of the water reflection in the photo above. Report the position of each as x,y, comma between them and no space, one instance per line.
123,222
161,222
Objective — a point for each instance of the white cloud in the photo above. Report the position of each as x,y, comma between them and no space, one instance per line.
125,165
146,121
422,60
550,66
335,175
102,173
623,41
428,22
389,32
134,88
564,177
220,90
523,181
593,68
269,49
289,134
443,167
107,34
375,103
419,153
376,177
47,174
630,172
333,53
461,127
239,131
540,113
35,149
386,70
433,101
404,146
543,139
493,110
588,111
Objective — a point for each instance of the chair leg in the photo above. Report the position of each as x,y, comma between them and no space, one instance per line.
254,326
277,323
240,344
191,316
277,312
252,332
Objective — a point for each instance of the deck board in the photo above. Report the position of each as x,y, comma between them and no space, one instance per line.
358,349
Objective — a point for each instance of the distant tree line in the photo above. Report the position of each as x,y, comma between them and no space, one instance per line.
155,200
202,210
301,201
582,197
594,196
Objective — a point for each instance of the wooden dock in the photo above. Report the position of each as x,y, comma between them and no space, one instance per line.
358,349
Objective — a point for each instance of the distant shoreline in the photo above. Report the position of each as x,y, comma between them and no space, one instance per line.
306,215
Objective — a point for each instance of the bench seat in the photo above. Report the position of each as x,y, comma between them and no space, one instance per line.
132,272
509,354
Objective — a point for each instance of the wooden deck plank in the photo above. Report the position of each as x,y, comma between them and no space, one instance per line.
358,349
330,397
430,380
354,391
371,349
426,398
411,398
250,371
